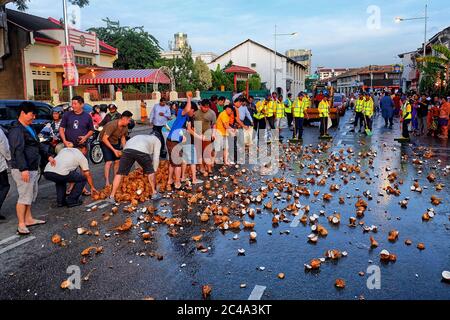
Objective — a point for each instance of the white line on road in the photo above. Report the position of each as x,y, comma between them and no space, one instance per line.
295,222
9,239
94,203
257,293
18,243
103,205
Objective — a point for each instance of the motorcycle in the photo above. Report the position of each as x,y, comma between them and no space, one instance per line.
95,150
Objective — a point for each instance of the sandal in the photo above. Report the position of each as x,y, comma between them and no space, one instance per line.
23,231
36,223
86,193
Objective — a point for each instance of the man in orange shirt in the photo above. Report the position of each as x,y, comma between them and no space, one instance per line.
224,129
444,113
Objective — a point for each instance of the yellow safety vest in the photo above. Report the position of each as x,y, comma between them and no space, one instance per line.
368,108
324,111
307,102
270,108
359,105
279,110
299,108
406,111
288,109
259,114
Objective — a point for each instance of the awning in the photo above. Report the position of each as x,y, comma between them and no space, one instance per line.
124,77
240,69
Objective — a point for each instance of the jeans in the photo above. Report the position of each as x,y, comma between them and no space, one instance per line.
161,138
422,124
359,116
4,186
289,119
61,183
298,133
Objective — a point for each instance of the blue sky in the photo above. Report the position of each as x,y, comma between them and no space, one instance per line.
336,30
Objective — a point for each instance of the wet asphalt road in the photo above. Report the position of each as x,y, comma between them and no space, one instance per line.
35,269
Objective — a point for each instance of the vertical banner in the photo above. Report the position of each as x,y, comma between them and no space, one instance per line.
70,69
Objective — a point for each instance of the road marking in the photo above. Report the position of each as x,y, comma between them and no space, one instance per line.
9,239
295,222
94,203
15,245
257,293
103,205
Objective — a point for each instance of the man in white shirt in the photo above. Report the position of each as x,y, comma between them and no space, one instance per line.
159,117
5,155
145,150
65,171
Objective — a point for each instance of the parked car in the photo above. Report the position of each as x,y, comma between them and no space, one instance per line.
339,103
9,112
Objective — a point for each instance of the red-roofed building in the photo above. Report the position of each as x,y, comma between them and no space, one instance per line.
31,66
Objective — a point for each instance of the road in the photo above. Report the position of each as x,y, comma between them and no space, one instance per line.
171,267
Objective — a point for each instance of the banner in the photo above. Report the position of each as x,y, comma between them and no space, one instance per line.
70,69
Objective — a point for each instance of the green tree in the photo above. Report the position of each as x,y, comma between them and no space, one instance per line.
220,78
202,74
435,68
22,4
138,49
254,83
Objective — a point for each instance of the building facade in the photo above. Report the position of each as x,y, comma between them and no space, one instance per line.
326,73
290,75
302,56
33,68
369,78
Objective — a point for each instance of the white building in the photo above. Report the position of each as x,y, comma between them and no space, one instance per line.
206,57
290,75
326,73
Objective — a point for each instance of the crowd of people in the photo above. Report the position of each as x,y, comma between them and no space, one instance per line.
420,115
193,137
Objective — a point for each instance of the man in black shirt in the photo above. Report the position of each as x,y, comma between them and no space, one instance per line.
422,114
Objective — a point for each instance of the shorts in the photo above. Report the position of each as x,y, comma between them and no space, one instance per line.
174,151
108,155
27,191
189,154
130,156
220,143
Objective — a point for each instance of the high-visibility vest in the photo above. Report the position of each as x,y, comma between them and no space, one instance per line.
406,111
307,102
259,114
368,108
270,108
359,105
279,111
299,108
324,111
288,106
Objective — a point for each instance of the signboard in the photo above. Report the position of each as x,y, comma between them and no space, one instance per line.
70,69
83,41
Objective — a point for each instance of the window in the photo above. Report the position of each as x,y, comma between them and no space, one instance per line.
83,61
253,65
42,89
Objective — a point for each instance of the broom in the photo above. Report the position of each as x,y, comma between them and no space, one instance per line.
368,131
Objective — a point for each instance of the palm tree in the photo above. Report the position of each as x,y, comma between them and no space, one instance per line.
436,67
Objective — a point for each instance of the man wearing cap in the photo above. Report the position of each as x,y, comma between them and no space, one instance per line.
368,111
299,111
406,113
288,110
324,112
359,106
279,113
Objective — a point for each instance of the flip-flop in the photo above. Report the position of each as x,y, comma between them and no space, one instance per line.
23,231
37,223
86,193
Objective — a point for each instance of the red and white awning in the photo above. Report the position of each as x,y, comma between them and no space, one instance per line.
124,77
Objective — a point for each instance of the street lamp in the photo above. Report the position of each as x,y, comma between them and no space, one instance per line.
425,18
275,35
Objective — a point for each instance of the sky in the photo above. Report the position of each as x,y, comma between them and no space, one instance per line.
340,33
